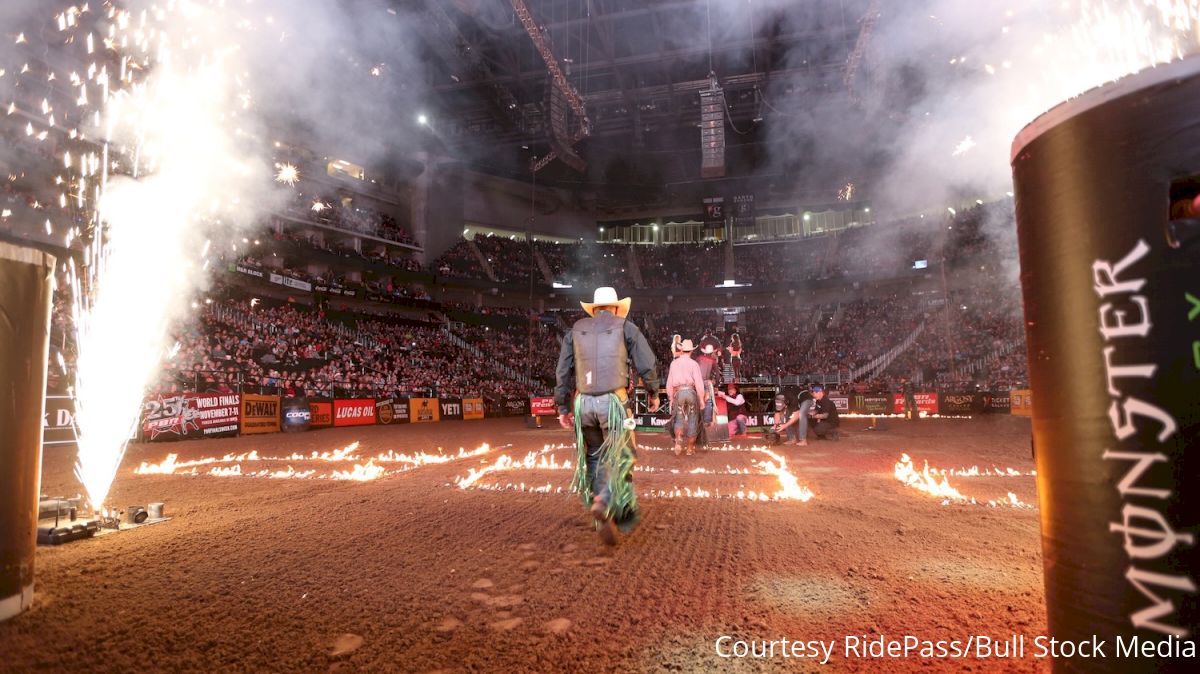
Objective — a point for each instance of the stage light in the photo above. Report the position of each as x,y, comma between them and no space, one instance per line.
422,119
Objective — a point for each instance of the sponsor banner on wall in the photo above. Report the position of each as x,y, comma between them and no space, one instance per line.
871,404
999,401
714,212
926,402
516,407
542,406
472,408
290,282
452,408
842,403
400,413
956,403
250,271
385,411
322,413
58,423
423,410
354,412
756,422
260,414
743,210
191,415
1021,402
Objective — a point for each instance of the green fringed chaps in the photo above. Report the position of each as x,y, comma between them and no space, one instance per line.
616,455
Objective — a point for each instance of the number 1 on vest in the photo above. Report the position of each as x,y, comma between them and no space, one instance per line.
588,378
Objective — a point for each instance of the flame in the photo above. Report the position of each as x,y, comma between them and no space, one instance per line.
926,480
790,487
936,483
362,471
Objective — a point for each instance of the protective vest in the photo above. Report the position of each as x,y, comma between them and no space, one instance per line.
734,410
601,359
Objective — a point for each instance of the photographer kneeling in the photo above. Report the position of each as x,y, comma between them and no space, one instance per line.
823,415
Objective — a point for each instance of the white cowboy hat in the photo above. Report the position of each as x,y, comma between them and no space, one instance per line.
687,346
607,297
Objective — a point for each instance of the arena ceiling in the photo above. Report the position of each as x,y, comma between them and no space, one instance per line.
639,66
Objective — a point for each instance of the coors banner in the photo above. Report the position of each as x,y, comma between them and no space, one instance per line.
1110,270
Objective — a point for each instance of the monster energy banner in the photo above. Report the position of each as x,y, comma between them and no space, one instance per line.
1107,189
871,404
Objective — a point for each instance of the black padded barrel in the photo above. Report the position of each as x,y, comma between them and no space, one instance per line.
25,300
1110,273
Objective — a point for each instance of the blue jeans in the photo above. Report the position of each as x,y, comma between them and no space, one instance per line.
799,430
685,417
593,419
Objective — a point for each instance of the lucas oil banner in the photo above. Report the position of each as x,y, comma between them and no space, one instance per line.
356,412
191,415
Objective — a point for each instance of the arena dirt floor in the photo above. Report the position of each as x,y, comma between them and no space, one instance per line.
413,572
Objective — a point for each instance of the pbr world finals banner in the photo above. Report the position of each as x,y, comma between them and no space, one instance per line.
193,415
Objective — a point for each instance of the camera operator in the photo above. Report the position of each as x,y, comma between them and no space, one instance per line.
792,420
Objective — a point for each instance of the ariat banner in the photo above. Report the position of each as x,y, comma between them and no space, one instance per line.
472,408
926,402
451,408
322,413
192,415
354,412
542,406
424,410
260,414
